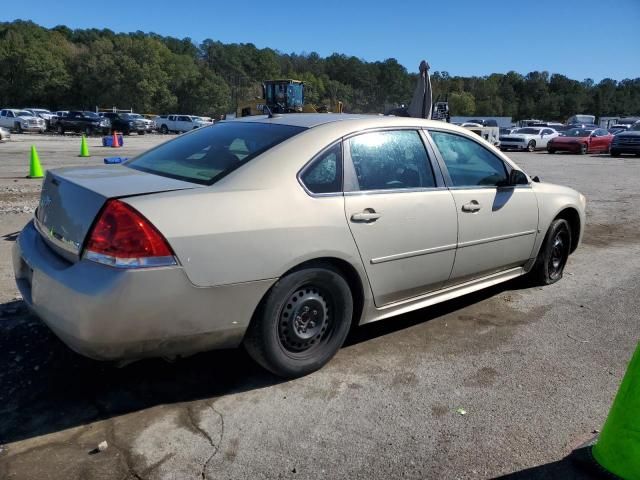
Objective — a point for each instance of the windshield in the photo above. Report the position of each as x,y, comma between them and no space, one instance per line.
208,154
91,114
531,131
24,113
577,132
635,128
132,116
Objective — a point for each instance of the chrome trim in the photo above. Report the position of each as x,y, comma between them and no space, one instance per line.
495,239
395,190
417,253
135,262
55,238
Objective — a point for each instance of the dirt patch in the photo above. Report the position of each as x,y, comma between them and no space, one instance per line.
603,235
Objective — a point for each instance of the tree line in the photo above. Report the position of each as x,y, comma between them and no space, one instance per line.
61,68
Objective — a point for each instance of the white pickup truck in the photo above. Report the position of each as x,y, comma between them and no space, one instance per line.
21,121
179,123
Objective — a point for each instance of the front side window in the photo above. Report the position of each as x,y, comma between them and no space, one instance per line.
469,163
390,160
210,153
324,174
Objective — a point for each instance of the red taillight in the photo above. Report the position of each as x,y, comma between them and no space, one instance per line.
122,237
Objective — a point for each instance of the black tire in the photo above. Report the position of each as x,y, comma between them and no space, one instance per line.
164,130
615,153
88,131
553,254
531,146
140,132
18,127
584,149
60,130
301,323
551,150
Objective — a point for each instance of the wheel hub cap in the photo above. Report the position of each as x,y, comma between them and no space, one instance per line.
304,320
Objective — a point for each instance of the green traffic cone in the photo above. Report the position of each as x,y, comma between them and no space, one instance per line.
35,169
84,149
618,447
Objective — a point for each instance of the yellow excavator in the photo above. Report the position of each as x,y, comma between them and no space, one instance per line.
281,96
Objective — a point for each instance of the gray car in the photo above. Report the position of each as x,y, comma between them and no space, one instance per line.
281,233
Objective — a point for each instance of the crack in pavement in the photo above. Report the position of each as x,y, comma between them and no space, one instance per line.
216,448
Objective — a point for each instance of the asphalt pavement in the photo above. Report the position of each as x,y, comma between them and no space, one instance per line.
533,369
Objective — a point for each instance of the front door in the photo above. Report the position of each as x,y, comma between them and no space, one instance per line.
497,224
402,219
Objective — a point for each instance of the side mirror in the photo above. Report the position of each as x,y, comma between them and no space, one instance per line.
516,177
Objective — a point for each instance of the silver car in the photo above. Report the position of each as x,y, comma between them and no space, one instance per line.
280,233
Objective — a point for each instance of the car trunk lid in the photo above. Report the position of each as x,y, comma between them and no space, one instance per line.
72,198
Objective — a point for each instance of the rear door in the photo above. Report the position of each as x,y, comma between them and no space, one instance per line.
497,224
401,215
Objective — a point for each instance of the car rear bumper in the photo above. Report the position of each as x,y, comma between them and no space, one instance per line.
114,314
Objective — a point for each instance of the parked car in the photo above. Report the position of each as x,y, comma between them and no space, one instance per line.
528,138
178,123
21,121
626,142
88,123
236,234
43,113
580,140
618,128
5,134
126,122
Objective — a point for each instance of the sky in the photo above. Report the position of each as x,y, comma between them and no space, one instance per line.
578,38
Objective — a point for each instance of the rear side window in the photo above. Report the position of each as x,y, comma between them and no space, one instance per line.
208,154
390,160
324,173
469,164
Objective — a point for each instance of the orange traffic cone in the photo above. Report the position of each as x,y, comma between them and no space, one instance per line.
116,142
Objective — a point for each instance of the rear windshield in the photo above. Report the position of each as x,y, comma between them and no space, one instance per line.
208,154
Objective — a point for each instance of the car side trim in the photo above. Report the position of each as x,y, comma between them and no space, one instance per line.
416,253
495,239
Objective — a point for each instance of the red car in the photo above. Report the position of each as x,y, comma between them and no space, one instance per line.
581,140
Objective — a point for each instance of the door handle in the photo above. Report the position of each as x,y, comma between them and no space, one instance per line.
473,206
368,215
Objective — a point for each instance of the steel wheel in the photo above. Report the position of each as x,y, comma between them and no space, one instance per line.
302,321
554,253
559,254
305,320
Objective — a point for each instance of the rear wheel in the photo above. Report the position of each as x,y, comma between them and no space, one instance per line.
531,146
302,322
551,150
553,254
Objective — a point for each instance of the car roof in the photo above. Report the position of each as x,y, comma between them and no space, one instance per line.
310,120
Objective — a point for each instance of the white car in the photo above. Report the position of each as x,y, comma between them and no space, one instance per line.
21,121
528,138
43,113
179,123
4,134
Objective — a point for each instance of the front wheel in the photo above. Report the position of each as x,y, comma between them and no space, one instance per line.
584,149
164,130
553,254
551,150
18,128
60,130
531,146
302,322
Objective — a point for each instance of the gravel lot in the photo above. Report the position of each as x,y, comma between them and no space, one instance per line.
535,369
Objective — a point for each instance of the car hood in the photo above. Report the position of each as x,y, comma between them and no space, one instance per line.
28,117
629,134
